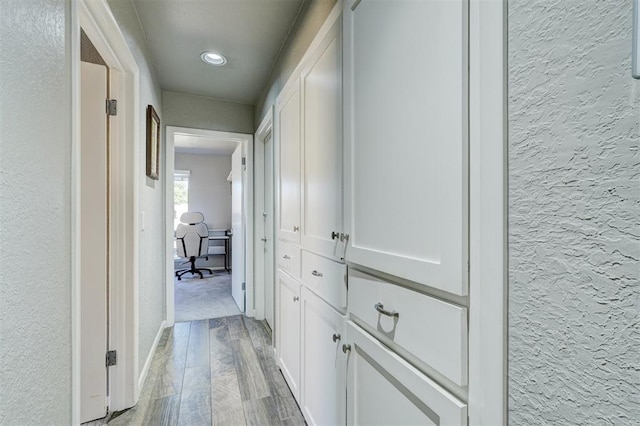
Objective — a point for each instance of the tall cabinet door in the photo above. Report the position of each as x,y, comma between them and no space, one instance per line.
288,128
406,120
323,364
322,147
288,331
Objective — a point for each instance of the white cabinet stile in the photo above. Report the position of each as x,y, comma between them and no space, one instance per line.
406,138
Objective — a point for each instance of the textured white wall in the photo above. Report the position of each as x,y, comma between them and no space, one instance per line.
209,191
35,212
151,240
574,214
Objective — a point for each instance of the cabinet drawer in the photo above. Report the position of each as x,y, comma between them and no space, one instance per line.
384,389
430,329
289,258
326,278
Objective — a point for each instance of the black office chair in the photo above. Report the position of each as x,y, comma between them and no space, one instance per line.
192,242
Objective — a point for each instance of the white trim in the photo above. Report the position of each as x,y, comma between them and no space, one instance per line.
488,213
75,216
240,138
152,352
96,19
261,134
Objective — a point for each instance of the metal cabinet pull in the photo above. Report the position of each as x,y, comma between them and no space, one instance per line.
316,273
286,256
336,337
263,239
380,308
296,298
296,228
335,235
346,348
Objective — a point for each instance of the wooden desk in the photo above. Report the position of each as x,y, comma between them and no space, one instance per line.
220,235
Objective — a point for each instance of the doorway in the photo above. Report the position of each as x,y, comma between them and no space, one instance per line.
218,167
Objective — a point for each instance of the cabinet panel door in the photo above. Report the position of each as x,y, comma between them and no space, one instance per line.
322,147
288,125
383,389
323,364
288,327
406,96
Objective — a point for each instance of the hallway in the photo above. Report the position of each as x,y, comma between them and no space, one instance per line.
217,371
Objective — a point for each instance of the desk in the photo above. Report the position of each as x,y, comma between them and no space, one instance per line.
220,235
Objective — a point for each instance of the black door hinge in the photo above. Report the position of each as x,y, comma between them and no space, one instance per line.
112,107
111,358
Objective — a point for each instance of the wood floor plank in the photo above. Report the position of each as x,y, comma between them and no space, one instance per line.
221,354
195,409
258,332
163,411
260,412
282,397
252,381
198,350
226,403
196,380
237,330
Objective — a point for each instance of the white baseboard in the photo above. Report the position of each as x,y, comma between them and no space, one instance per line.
152,352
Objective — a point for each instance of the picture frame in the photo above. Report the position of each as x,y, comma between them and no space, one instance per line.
153,143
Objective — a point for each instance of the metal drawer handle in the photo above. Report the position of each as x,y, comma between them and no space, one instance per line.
335,235
296,228
336,337
346,348
316,273
286,256
380,308
296,298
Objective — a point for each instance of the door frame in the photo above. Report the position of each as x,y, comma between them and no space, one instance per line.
266,127
98,22
240,138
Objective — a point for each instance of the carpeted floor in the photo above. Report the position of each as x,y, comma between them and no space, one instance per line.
210,297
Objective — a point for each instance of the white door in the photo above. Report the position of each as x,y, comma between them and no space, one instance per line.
237,228
288,120
269,256
323,378
93,242
322,147
406,124
383,389
288,333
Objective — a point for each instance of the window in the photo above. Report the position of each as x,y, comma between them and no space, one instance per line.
180,195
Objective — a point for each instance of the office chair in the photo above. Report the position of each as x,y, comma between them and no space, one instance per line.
192,242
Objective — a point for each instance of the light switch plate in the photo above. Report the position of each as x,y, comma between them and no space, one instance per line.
635,57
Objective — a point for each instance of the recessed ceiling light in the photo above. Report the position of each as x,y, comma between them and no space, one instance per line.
212,58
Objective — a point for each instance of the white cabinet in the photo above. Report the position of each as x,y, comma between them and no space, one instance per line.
288,164
323,363
322,147
383,389
288,331
406,137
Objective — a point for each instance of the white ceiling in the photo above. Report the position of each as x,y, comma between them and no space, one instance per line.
249,33
186,144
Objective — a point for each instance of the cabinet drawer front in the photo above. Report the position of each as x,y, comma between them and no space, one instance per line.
326,278
433,331
289,258
382,388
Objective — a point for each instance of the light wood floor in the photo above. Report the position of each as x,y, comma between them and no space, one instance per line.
214,372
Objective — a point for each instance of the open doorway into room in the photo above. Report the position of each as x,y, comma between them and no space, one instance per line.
209,197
